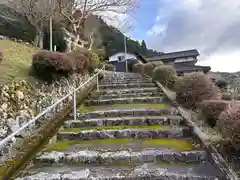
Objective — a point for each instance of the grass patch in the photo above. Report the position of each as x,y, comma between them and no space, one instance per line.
87,109
179,144
16,62
113,127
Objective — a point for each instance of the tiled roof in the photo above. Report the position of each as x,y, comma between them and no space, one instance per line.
173,55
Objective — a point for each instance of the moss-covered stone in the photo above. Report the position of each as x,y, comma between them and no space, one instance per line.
178,144
86,109
113,127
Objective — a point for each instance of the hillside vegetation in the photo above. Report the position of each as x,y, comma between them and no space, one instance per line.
16,61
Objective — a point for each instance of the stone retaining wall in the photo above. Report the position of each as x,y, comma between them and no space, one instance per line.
30,145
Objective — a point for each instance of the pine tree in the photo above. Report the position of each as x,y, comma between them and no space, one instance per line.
144,48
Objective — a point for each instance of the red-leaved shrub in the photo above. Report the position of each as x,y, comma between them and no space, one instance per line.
229,124
49,66
80,62
211,109
194,88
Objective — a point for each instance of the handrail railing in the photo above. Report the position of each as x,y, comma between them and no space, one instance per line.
73,93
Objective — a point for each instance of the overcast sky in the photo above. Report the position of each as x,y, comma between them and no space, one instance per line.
210,26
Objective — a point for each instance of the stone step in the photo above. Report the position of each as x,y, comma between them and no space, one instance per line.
148,171
128,112
122,121
136,133
183,144
144,156
126,101
128,85
128,95
129,91
117,81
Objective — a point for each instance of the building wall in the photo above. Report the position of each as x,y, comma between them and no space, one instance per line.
115,57
120,66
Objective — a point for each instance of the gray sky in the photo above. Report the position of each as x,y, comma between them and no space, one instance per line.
211,26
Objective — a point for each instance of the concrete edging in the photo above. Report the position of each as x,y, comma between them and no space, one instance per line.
203,137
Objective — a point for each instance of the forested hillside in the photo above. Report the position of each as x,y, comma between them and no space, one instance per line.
108,39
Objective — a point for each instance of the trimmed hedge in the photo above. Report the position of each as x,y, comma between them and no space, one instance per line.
212,109
48,66
148,68
138,68
166,75
94,61
193,88
80,62
109,67
229,124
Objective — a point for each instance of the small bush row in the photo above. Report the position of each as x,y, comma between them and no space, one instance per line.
197,91
49,66
193,88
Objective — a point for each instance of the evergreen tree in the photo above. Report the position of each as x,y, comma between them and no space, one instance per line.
144,48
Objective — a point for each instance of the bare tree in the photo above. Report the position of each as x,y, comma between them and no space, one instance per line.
77,11
36,12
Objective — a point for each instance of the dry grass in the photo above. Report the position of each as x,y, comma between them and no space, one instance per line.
16,62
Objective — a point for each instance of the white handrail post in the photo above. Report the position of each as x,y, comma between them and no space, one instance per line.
74,106
97,84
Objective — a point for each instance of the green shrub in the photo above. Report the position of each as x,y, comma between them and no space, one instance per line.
131,64
158,63
49,66
212,109
109,67
166,75
80,62
229,124
94,60
138,68
148,68
193,88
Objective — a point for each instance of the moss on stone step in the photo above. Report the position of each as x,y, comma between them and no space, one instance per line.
87,109
178,144
113,127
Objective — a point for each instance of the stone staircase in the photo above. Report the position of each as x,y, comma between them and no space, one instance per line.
126,132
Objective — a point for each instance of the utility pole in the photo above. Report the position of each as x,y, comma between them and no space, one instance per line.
50,33
50,24
125,51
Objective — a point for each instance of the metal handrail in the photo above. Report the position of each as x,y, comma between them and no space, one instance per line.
8,138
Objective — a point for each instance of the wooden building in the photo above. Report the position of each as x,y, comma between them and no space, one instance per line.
183,61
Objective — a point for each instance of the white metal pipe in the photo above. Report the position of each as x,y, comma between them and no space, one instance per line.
8,138
125,51
74,106
97,84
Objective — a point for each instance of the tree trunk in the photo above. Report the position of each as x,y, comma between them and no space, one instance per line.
36,39
75,42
